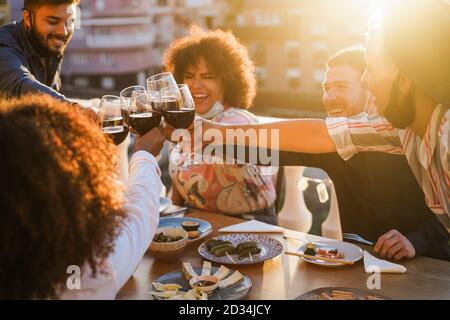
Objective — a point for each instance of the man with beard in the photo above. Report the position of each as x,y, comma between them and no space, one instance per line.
31,51
377,192
407,70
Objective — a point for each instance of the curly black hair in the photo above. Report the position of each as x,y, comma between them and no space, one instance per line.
60,204
226,58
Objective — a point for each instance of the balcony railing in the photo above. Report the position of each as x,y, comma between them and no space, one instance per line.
120,40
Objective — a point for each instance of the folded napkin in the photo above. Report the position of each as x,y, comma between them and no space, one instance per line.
372,264
253,226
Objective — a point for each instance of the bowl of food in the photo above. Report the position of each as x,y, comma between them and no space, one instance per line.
204,283
168,243
192,228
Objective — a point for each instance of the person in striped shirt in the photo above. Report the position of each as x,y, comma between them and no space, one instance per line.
410,79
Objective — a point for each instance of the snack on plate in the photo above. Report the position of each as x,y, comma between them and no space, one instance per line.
220,248
188,271
345,295
329,253
234,278
222,273
166,287
206,270
161,237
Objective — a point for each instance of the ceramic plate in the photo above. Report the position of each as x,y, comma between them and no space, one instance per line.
351,252
205,227
234,292
270,248
357,293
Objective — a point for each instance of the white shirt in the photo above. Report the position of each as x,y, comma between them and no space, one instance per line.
142,207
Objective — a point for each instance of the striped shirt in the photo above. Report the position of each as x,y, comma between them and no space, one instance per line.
428,157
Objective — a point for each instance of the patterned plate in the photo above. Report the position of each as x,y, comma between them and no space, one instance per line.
270,248
234,292
205,227
358,294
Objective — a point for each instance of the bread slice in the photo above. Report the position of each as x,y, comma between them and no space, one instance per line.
234,278
206,270
188,271
222,273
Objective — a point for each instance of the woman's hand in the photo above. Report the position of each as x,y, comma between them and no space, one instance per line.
151,142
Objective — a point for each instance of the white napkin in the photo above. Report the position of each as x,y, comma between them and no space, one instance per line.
253,226
372,264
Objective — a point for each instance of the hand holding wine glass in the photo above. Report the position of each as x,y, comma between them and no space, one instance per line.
113,122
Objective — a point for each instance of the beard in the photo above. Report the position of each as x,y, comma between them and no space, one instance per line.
400,111
39,42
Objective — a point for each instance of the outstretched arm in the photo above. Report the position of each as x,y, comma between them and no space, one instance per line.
300,135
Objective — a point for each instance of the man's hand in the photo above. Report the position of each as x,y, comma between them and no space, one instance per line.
394,245
151,142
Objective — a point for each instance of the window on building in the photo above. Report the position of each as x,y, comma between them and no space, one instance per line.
108,83
209,22
100,5
261,76
293,77
319,29
106,58
292,49
81,82
258,53
162,3
319,76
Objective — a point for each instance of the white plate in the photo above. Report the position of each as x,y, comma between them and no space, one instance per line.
164,203
351,252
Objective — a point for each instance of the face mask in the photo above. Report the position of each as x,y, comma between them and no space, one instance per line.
215,110
400,114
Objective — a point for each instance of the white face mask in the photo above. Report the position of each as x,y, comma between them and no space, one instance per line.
215,110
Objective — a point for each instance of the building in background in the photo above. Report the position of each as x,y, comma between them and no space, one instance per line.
112,49
4,12
122,42
290,42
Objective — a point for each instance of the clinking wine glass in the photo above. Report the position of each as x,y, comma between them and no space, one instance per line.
113,122
178,109
128,98
161,81
144,113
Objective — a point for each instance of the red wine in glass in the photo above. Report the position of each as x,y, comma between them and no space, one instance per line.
118,134
143,122
179,119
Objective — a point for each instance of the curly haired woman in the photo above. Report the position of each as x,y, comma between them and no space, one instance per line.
220,76
61,204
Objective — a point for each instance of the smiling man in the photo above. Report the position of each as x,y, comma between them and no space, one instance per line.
31,51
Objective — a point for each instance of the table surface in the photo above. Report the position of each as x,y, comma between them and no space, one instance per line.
286,277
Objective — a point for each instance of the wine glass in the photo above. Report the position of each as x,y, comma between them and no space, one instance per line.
113,122
161,81
127,98
144,113
178,109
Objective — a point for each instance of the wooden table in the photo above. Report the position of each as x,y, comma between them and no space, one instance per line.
286,277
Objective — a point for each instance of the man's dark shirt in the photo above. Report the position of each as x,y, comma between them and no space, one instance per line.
22,70
377,192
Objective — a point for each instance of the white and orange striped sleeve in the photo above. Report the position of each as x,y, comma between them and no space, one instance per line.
363,132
